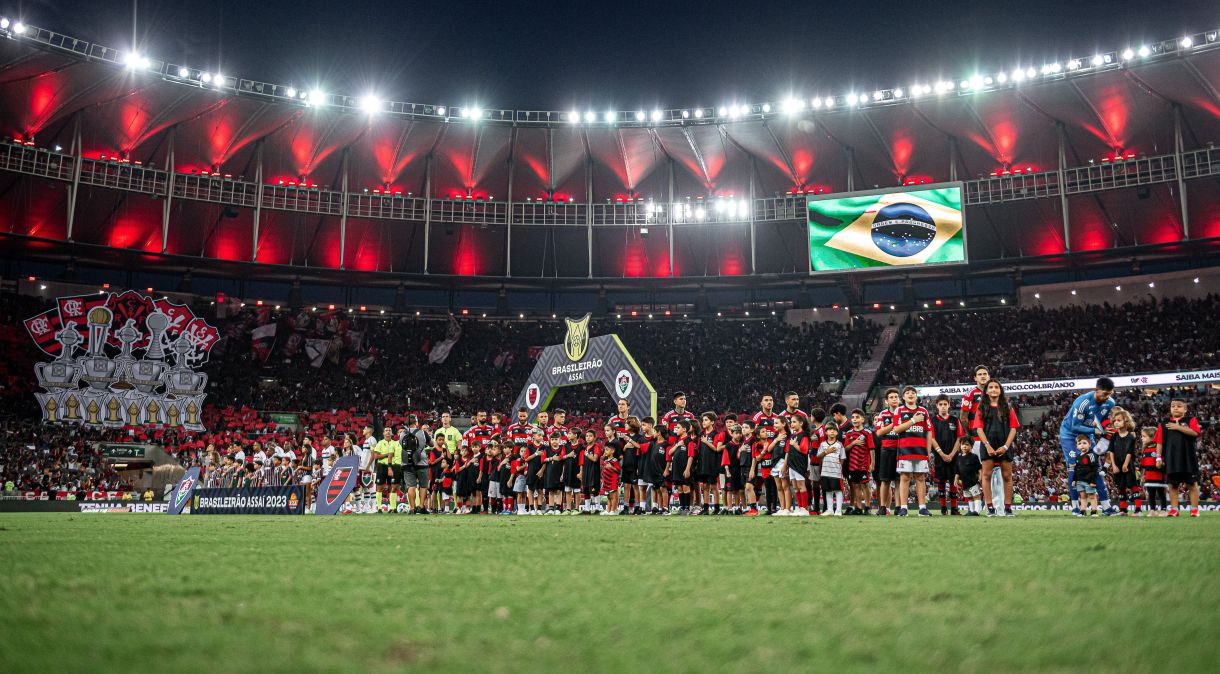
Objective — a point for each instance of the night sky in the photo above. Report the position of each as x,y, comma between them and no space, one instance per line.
623,55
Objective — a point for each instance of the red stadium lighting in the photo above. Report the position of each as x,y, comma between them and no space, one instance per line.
667,312
105,286
876,305
258,303
31,279
465,312
330,307
634,314
834,306
363,308
939,302
148,290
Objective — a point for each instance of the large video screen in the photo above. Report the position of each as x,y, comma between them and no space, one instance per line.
901,227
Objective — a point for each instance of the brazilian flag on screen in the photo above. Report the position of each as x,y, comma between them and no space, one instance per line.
893,229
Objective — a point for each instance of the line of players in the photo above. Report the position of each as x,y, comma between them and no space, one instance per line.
783,463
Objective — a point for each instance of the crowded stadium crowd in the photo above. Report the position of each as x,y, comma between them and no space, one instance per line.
376,372
1035,343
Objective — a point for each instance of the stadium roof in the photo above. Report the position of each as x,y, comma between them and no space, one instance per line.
582,188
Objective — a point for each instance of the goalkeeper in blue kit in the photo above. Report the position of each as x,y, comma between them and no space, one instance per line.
1085,417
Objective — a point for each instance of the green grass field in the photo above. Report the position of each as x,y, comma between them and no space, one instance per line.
380,593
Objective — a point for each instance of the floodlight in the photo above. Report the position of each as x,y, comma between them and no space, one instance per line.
370,104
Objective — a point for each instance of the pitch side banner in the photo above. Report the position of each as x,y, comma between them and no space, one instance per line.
1085,384
587,360
887,228
337,484
289,500
182,493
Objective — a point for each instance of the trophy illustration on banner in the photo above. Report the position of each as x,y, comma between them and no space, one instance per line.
110,362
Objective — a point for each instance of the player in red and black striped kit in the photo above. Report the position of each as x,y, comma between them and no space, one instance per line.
767,425
668,424
913,442
946,429
861,448
886,467
817,435
518,434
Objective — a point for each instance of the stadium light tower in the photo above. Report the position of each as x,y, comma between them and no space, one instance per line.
317,97
657,115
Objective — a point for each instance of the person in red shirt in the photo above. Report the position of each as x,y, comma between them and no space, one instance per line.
619,421
973,399
766,423
610,475
886,423
796,460
861,449
519,433
914,440
995,427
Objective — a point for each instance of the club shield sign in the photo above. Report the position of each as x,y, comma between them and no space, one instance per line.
182,493
337,484
582,359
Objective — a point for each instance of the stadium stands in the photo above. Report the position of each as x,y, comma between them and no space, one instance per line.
1035,343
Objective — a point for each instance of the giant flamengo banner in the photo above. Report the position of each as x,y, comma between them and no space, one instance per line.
122,359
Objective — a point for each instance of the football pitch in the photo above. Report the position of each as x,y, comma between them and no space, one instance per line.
1042,591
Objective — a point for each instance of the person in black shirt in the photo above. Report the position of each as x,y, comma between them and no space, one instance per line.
1086,477
968,465
652,455
681,462
946,429
1122,457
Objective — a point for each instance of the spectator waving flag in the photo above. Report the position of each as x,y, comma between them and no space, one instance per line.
441,350
316,350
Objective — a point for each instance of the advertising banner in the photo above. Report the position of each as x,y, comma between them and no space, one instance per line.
899,227
1081,384
289,500
582,359
65,506
336,485
182,493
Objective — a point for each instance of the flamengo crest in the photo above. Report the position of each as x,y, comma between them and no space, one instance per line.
122,359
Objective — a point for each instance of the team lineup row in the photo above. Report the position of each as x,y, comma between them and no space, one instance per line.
783,463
